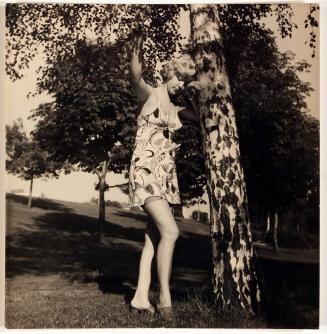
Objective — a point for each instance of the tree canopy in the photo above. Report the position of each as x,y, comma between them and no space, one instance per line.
89,85
57,27
91,108
24,156
269,99
26,159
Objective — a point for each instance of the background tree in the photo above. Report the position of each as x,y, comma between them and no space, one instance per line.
26,159
92,121
269,99
301,217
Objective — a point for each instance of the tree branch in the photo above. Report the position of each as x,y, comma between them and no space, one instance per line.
118,185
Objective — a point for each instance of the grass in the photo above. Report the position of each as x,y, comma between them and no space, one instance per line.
54,302
58,274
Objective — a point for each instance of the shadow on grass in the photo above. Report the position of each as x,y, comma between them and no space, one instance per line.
40,203
292,294
65,243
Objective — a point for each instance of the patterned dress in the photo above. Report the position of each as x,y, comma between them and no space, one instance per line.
153,167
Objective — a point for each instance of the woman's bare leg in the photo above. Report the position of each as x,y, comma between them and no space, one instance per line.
159,211
152,236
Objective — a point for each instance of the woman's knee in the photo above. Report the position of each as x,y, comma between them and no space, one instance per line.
162,216
171,233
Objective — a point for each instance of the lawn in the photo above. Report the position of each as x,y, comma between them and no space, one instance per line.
59,275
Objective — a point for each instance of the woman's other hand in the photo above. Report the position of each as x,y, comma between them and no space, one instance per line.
137,32
192,91
195,84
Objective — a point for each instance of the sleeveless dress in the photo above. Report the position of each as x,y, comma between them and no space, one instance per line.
153,167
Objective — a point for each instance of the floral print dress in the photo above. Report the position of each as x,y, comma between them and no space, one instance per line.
153,169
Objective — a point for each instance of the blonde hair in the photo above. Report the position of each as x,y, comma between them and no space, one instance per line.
176,65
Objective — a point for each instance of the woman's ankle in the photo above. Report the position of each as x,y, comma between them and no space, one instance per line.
141,298
165,300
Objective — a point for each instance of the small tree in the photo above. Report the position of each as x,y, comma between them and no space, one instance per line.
25,157
92,121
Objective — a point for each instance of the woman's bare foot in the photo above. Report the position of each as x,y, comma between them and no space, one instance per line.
140,303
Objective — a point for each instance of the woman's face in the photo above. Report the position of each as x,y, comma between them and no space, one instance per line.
174,85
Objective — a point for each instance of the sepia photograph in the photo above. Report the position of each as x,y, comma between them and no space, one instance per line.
162,165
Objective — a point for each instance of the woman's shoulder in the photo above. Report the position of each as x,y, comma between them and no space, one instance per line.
154,100
142,89
151,103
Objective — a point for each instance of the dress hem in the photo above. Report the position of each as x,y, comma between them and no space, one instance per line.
140,204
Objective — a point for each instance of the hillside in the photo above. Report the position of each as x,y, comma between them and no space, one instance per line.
58,273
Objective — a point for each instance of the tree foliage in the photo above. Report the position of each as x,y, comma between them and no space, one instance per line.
57,27
91,108
269,98
267,93
25,158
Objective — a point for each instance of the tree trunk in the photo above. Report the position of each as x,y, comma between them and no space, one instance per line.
29,203
235,277
102,204
275,235
198,208
267,224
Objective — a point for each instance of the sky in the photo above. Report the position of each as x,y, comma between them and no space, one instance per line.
78,186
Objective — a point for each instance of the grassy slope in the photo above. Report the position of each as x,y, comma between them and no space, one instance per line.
59,274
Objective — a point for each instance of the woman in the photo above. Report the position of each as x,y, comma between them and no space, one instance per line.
152,178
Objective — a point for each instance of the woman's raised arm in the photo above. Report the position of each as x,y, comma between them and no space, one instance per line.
137,59
141,88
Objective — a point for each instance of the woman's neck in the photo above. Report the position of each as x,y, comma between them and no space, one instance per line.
165,100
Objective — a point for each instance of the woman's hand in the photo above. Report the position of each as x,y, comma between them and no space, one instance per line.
189,115
196,84
193,91
137,32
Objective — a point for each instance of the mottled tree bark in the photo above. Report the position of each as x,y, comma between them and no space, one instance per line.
235,278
